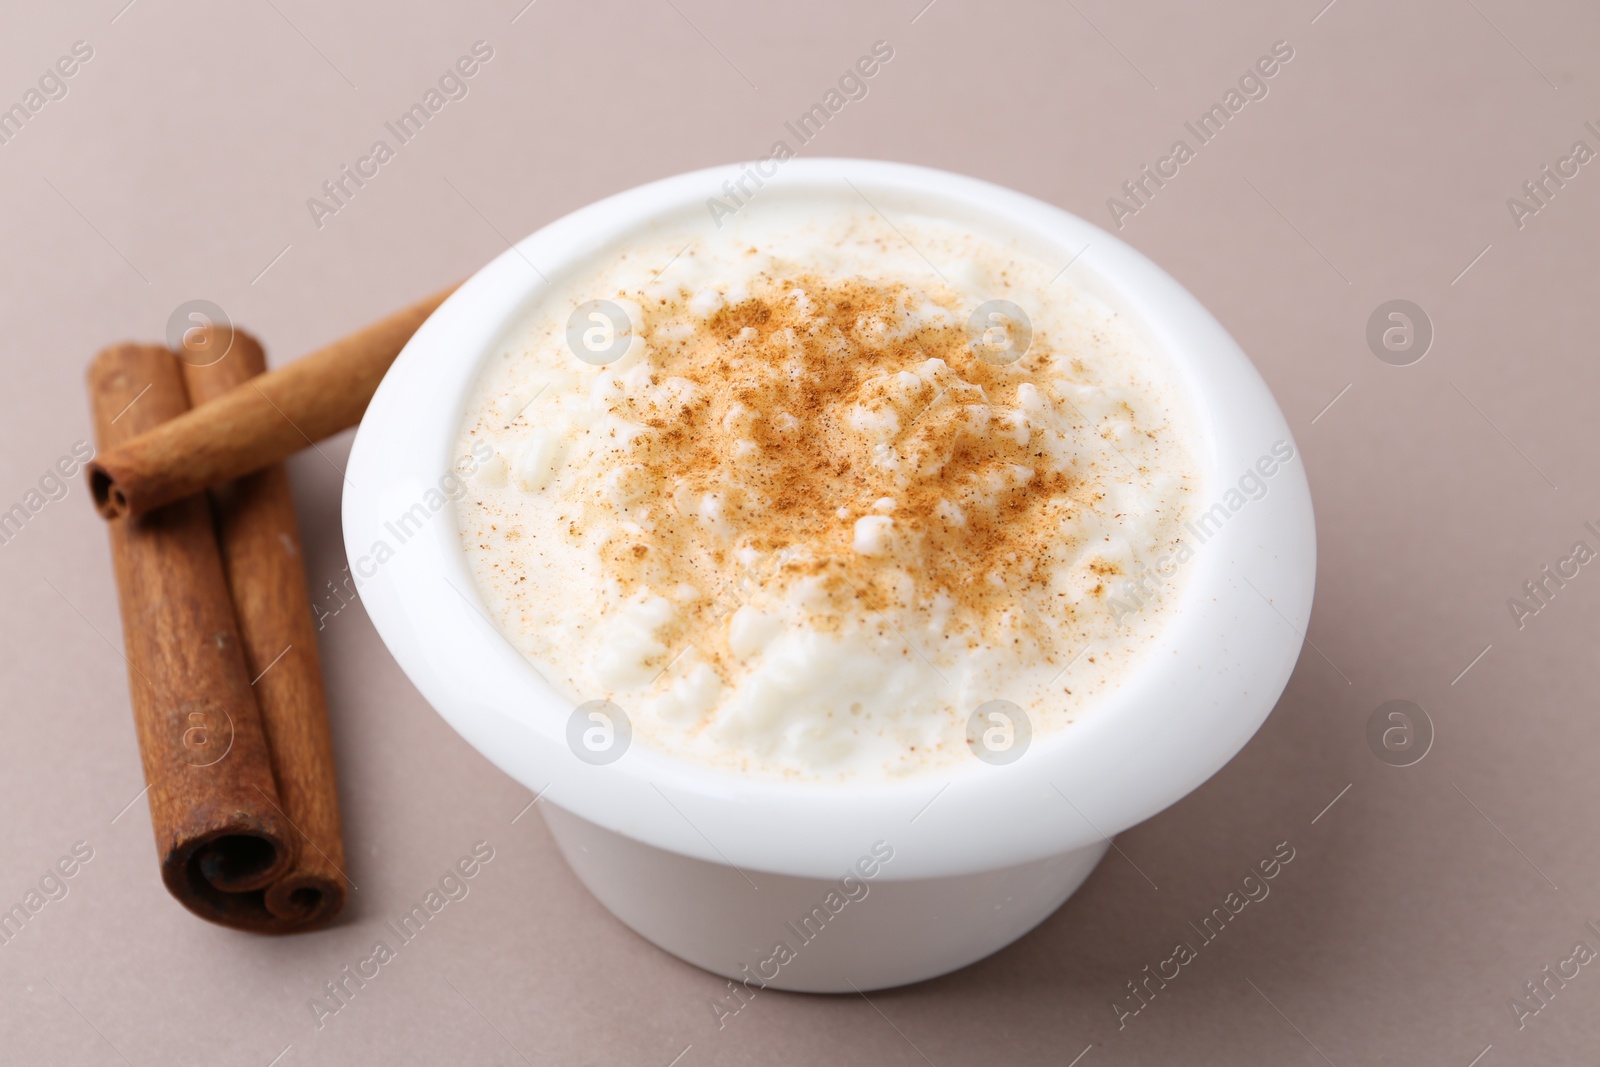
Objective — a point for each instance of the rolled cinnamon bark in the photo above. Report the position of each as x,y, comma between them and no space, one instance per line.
256,423
213,803
266,575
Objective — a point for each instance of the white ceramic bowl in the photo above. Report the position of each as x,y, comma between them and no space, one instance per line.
721,870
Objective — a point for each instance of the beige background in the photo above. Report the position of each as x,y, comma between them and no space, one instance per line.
1378,167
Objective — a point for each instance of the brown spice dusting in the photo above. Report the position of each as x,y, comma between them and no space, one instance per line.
784,418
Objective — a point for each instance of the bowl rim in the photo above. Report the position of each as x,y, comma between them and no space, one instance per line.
1191,701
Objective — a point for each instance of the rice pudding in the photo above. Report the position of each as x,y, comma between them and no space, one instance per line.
801,493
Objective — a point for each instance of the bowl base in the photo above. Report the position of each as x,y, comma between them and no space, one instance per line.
813,935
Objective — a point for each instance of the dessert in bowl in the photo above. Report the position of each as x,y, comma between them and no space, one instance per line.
838,572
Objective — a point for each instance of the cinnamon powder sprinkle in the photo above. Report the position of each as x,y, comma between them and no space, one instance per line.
841,441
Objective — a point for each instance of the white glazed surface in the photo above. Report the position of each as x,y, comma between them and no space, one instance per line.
1203,689
895,932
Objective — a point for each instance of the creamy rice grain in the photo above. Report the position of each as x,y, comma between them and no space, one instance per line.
814,514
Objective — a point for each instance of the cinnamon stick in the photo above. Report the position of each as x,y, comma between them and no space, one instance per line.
266,575
256,423
213,803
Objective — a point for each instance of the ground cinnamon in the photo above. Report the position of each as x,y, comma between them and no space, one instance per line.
213,803
266,575
256,423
